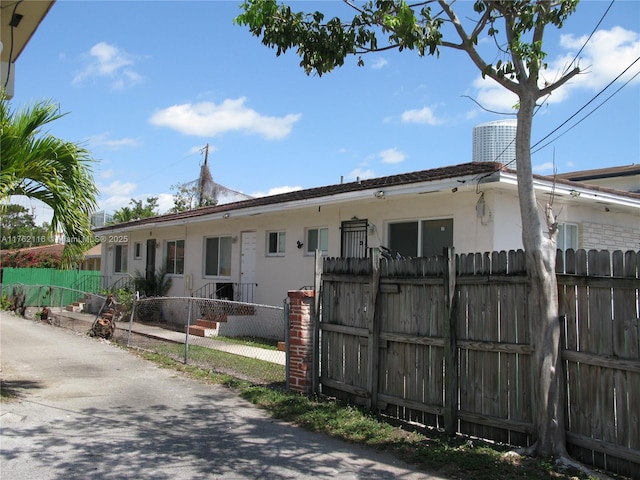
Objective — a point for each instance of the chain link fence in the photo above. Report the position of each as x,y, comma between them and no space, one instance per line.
244,340
51,304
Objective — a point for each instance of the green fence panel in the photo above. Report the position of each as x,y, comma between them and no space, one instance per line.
83,280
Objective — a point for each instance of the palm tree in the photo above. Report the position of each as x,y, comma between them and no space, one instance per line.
41,166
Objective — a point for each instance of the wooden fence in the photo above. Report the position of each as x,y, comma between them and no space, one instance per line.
445,342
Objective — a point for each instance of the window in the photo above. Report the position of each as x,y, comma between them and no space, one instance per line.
137,250
275,243
317,239
217,256
120,260
567,236
424,238
175,257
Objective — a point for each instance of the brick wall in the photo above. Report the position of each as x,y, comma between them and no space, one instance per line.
301,327
609,237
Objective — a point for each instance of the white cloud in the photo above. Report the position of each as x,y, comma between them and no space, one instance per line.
424,115
122,193
379,63
492,96
114,202
361,174
120,188
199,149
276,191
165,201
106,174
206,119
392,155
547,167
102,140
607,54
471,114
108,61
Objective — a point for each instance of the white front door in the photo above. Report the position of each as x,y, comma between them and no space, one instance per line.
247,266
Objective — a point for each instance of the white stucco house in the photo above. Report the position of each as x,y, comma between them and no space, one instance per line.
258,249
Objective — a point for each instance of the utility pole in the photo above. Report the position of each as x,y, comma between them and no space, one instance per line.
202,179
206,153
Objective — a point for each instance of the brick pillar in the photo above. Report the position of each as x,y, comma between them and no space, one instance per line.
301,325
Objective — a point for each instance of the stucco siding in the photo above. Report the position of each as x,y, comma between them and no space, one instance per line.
485,218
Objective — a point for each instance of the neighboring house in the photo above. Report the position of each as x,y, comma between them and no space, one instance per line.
92,259
269,242
621,178
48,256
42,256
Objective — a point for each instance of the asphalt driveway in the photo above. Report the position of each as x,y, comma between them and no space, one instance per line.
88,409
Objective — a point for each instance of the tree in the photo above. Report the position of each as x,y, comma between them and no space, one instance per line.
19,229
137,210
189,196
43,167
517,29
202,192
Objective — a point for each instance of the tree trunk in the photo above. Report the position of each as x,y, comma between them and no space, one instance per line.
540,252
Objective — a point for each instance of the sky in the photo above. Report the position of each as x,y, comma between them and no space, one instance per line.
146,85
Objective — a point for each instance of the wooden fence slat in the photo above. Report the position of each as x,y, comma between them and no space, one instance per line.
449,319
454,344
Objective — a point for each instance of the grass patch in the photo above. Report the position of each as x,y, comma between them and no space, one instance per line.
258,371
11,390
7,392
251,342
457,457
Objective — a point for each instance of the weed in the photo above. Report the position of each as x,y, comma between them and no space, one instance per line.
5,303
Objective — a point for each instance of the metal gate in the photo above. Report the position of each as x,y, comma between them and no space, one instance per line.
354,239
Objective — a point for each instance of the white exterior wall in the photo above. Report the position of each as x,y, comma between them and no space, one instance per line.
497,227
275,275
629,183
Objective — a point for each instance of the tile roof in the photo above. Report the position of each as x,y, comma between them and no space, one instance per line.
608,172
465,169
53,249
479,169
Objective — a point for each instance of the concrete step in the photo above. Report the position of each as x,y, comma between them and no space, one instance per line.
212,317
203,322
75,307
199,331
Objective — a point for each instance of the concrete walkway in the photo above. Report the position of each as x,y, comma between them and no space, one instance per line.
178,337
87,409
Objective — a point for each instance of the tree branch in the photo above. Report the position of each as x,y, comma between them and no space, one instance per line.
468,47
519,66
482,23
558,83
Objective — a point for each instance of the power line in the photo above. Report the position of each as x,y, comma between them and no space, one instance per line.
580,51
589,38
587,104
583,118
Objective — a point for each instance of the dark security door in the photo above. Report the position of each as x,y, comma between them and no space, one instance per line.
150,269
354,239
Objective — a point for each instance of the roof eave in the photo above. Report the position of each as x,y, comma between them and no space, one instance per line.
577,191
394,191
